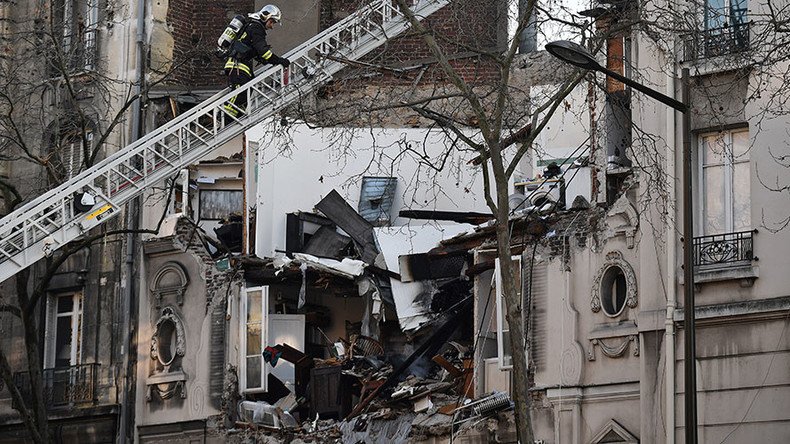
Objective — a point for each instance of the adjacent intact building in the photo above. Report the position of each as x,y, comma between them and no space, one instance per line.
603,282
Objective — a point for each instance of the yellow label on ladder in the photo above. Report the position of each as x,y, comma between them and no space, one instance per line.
99,212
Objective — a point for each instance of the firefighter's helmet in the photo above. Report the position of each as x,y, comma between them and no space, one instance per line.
268,12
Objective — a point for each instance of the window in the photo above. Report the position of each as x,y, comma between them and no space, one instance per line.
254,332
71,153
613,291
63,334
725,182
725,13
726,28
375,199
218,204
78,20
502,328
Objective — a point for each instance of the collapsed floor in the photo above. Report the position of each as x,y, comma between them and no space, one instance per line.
387,354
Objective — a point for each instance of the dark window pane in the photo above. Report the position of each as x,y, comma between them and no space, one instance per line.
254,372
65,304
63,342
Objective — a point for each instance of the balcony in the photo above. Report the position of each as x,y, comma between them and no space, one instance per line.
716,42
65,387
724,257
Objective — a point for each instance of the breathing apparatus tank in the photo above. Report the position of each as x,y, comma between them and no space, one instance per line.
229,35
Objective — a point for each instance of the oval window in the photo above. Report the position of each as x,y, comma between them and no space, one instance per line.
613,291
166,341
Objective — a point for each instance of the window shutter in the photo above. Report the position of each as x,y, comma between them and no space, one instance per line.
536,290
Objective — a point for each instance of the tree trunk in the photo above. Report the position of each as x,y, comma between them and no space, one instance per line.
34,365
513,304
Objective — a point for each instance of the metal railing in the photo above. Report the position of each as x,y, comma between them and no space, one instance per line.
65,386
716,42
724,249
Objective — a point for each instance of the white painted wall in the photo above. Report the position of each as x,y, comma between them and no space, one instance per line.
568,127
296,170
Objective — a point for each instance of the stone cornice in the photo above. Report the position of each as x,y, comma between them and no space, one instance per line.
742,311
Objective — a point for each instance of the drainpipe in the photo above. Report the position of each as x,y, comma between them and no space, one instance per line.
128,300
671,265
528,40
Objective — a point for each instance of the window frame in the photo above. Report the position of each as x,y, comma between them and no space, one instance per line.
50,330
201,217
729,17
75,39
243,306
728,167
500,311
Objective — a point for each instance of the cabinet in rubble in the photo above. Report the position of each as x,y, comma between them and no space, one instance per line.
330,394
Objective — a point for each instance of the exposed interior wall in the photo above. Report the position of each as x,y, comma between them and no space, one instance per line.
295,174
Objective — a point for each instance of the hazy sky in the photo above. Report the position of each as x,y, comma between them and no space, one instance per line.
566,10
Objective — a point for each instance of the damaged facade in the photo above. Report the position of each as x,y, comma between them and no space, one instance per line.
296,292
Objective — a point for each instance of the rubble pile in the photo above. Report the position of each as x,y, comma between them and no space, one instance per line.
435,404
388,353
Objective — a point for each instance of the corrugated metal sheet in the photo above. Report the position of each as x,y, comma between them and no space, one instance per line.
375,199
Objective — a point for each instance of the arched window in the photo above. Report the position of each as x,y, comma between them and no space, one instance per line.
170,281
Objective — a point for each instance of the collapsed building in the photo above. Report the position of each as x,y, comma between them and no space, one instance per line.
325,318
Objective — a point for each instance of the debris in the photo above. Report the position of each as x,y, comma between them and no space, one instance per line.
265,414
343,215
439,336
423,404
413,299
349,268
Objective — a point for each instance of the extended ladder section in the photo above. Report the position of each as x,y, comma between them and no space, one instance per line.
47,223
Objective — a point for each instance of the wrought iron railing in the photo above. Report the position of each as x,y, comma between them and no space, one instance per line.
724,249
63,387
716,42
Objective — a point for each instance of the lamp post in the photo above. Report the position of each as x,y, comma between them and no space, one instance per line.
575,54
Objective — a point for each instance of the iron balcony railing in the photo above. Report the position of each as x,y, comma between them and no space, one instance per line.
724,249
716,42
63,387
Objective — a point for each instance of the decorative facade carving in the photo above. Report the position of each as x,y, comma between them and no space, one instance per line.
168,328
614,432
613,351
170,281
614,259
623,211
168,347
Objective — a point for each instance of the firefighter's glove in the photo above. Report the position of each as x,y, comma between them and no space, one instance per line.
277,60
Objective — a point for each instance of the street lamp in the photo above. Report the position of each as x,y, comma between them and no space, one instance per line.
577,55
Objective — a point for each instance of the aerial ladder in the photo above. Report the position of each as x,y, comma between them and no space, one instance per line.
41,226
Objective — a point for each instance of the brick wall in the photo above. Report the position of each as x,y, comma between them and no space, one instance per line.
463,29
196,25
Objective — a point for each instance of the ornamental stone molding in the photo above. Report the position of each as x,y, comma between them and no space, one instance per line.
169,327
623,211
614,259
170,281
168,347
615,350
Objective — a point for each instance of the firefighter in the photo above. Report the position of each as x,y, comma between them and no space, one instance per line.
253,46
